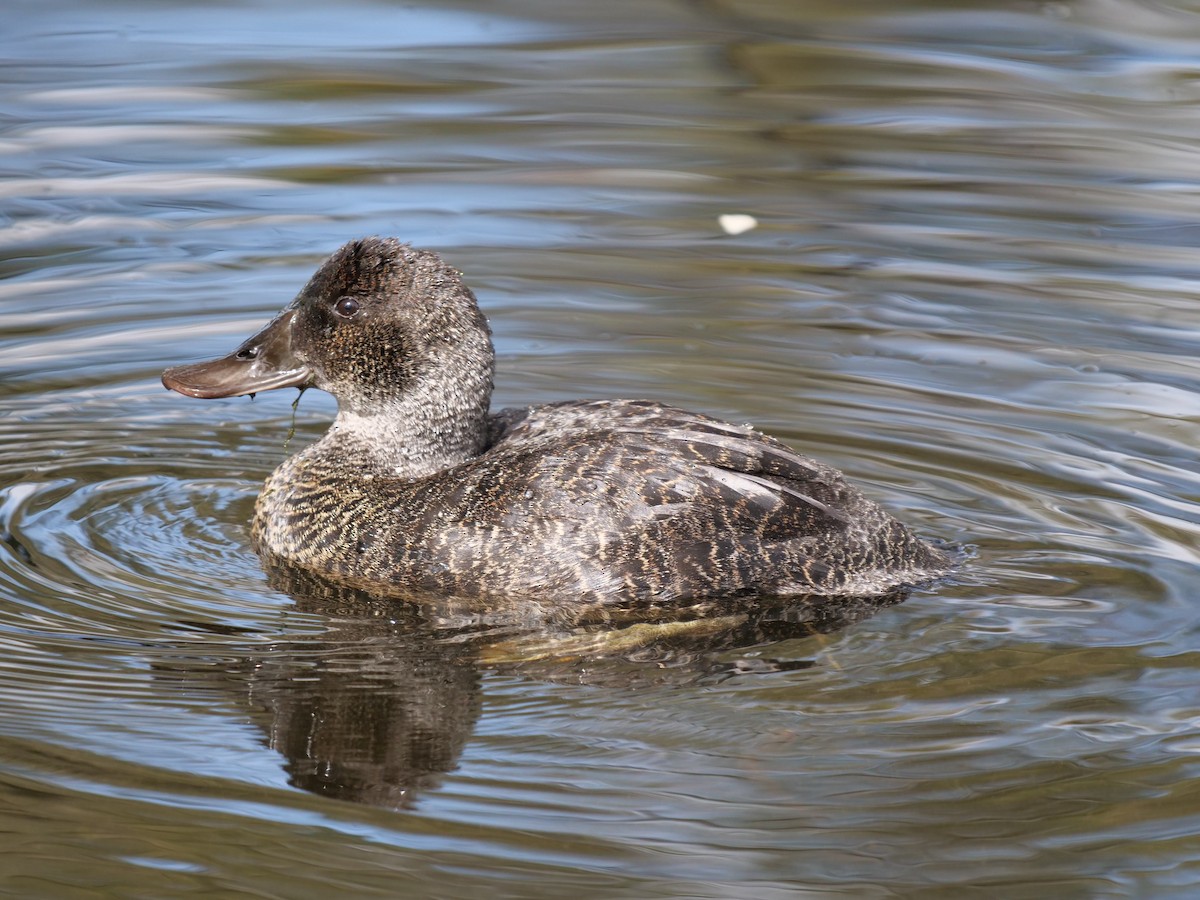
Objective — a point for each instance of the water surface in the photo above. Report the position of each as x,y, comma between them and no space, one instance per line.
972,287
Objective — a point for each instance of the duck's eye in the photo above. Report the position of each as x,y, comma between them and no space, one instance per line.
346,307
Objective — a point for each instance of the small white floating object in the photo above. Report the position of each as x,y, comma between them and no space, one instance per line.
737,223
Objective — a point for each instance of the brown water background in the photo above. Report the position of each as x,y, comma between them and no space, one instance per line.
972,287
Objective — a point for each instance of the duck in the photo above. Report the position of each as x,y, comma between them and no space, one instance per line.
418,487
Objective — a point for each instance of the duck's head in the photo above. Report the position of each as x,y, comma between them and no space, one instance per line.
385,328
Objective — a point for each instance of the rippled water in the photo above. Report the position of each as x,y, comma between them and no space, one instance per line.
971,287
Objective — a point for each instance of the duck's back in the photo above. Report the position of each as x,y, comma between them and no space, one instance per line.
594,501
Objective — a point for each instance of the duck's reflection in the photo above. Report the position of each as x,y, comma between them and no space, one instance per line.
381,704
376,708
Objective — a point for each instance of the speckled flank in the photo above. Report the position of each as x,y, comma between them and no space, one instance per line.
417,487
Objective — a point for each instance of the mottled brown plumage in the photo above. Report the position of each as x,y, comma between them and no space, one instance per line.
418,488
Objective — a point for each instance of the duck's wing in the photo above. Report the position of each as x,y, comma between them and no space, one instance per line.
759,516
684,505
746,467
680,461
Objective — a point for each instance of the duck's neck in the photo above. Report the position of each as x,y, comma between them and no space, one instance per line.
419,433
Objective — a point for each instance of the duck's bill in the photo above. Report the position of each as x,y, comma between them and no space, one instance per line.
262,363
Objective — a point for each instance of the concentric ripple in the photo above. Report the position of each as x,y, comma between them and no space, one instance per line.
129,531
